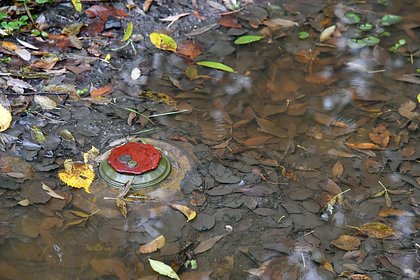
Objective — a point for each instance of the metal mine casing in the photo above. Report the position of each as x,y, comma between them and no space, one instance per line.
124,155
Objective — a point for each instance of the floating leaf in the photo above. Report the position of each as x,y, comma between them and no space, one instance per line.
247,39
152,246
163,269
122,206
390,19
394,213
327,33
51,192
163,42
303,35
79,176
352,18
128,31
5,118
376,230
216,65
346,242
365,26
77,5
188,212
90,156
371,40
208,244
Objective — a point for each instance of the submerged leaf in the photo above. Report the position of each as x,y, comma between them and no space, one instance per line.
122,206
346,242
128,31
376,230
163,269
79,176
153,245
208,244
51,192
5,118
163,42
189,213
247,39
216,65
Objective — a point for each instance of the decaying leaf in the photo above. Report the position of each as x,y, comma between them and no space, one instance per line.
51,192
337,169
122,206
5,118
101,91
110,267
363,146
45,102
90,156
163,269
208,244
158,97
163,42
188,212
376,230
328,266
37,134
347,242
152,246
406,110
77,175
395,213
189,50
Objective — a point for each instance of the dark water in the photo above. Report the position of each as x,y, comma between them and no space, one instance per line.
310,121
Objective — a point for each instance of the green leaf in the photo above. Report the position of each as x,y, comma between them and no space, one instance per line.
216,65
77,5
128,31
247,39
371,40
163,42
163,269
390,19
42,1
352,18
418,97
365,26
303,35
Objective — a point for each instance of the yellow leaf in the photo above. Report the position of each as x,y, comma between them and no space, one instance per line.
89,156
163,42
153,245
376,230
189,213
346,242
77,5
5,118
128,31
24,202
328,266
80,176
158,97
122,206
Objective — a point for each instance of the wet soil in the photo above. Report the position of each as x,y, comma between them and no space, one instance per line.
306,160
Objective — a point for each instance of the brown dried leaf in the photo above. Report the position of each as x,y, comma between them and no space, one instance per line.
346,242
363,146
376,230
337,169
101,91
152,246
189,49
257,140
188,212
208,244
406,110
328,266
359,277
110,267
122,206
394,213
271,127
229,21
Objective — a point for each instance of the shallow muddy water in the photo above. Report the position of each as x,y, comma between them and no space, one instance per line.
304,164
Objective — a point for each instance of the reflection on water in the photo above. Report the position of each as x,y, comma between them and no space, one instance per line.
324,127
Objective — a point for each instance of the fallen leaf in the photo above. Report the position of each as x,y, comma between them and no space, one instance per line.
229,21
394,213
45,102
189,49
101,91
208,244
328,266
406,110
163,269
152,246
77,5
51,192
327,33
363,146
5,118
110,267
24,202
247,39
128,31
26,44
359,277
24,54
80,175
376,230
337,169
90,156
347,243
279,22
146,5
216,65
163,42
188,212
174,18
122,206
